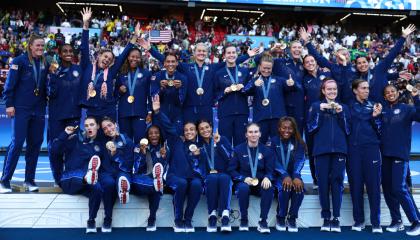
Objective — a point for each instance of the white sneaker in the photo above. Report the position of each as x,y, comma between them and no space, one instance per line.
5,188
358,227
377,229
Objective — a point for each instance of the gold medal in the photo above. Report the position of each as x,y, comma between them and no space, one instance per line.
130,99
111,146
192,148
36,92
234,87
92,93
171,83
213,171
258,82
254,182
199,91
144,141
409,87
265,102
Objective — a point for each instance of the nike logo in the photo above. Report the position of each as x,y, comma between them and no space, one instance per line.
397,161
375,161
341,159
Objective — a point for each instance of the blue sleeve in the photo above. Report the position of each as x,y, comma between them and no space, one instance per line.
149,97
392,76
139,160
234,166
224,148
84,50
155,84
156,54
321,60
385,63
416,109
299,161
121,58
52,85
344,119
12,81
250,88
62,142
377,124
314,118
163,121
242,58
182,92
269,165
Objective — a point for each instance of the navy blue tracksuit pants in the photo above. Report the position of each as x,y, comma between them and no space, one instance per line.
233,127
55,127
330,170
108,183
364,168
218,191
284,197
134,127
143,185
191,189
197,113
394,173
27,126
243,191
93,192
268,129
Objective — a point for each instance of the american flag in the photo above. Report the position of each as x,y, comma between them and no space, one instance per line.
157,36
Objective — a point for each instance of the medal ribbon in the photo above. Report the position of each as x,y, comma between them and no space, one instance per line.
266,90
210,159
234,80
197,75
132,82
253,163
285,161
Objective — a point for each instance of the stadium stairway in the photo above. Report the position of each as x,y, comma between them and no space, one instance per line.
58,210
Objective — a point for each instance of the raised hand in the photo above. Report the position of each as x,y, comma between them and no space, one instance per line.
253,52
304,35
156,103
144,43
136,33
408,30
86,16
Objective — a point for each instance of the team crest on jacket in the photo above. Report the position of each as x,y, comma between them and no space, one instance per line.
120,144
158,154
206,68
273,80
260,156
397,111
140,75
322,77
292,147
239,74
97,148
153,78
75,73
137,150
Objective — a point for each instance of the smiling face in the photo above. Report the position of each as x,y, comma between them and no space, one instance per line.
391,94
134,59
266,68
205,130
362,65
105,59
66,53
91,128
309,64
190,132
37,47
286,130
362,91
170,64
109,128
253,134
296,50
231,55
153,135
330,90
200,52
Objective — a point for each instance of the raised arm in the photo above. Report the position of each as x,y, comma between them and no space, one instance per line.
84,48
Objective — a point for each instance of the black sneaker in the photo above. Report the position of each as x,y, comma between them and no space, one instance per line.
414,230
212,225
189,227
281,224
263,226
291,225
243,226
5,187
335,225
395,226
326,226
151,225
226,224
107,226
91,226
179,226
